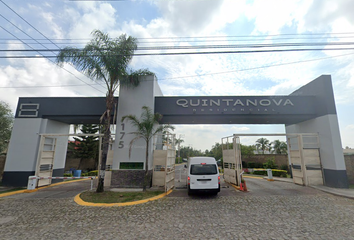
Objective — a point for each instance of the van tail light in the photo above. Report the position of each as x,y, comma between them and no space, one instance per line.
219,179
189,180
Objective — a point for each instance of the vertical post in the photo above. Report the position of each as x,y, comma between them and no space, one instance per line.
303,165
39,155
270,175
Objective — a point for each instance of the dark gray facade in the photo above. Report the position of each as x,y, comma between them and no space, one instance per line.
310,109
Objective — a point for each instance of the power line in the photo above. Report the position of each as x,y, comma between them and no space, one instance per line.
204,46
49,86
42,45
202,53
51,60
215,73
255,68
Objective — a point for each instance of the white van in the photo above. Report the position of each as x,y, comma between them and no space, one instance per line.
203,175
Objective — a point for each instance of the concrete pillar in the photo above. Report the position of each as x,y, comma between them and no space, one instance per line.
23,149
326,125
131,101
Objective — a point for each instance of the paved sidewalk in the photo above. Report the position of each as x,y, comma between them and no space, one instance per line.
342,192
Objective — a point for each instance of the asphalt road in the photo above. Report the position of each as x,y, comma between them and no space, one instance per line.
270,210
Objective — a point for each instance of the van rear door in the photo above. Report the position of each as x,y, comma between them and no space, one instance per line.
204,176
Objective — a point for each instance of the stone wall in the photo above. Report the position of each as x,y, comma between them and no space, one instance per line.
129,178
280,159
349,163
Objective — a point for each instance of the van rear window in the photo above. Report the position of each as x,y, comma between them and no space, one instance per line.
205,169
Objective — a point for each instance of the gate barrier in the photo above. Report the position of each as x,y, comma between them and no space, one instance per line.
32,180
269,172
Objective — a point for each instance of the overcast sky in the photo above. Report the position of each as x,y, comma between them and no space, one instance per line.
187,23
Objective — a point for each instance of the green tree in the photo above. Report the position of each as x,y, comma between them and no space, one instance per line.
270,163
178,143
247,150
6,120
216,151
105,59
262,144
279,147
86,147
146,127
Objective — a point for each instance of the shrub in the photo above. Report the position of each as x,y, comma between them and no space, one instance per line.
275,172
255,165
244,164
279,173
92,173
284,167
260,172
270,164
68,175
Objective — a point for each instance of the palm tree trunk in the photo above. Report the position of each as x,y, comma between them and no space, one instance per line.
146,165
105,140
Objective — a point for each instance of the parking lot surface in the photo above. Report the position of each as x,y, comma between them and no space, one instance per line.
270,210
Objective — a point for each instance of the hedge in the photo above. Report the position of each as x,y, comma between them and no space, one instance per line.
275,172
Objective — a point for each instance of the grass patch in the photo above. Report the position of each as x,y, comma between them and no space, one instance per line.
351,186
117,197
12,190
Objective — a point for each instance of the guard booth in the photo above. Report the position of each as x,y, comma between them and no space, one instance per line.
164,157
231,152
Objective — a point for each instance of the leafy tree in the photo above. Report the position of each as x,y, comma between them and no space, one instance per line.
270,164
216,151
105,59
146,128
86,147
279,147
262,144
247,150
6,120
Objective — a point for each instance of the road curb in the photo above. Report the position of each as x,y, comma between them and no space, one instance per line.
29,191
81,202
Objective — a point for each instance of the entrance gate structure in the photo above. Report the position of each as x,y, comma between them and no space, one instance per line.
304,159
303,154
164,157
45,161
309,109
232,163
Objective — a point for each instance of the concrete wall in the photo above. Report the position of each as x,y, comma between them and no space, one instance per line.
327,127
23,149
280,159
131,101
349,162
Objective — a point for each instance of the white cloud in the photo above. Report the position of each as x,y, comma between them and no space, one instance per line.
240,129
350,127
94,16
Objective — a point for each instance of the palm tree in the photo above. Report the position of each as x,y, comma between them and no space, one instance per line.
105,59
178,142
279,147
263,144
146,129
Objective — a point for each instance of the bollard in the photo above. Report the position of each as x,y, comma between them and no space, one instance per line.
32,183
270,175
